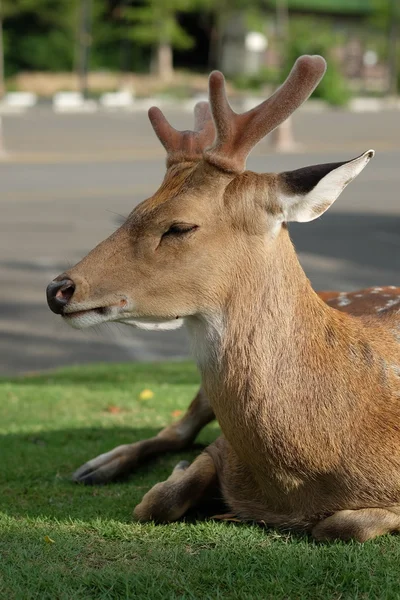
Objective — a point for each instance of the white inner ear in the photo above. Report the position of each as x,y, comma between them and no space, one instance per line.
307,207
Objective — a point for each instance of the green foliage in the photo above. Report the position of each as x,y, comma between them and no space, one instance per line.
333,87
156,22
310,36
44,8
383,11
52,56
39,34
256,81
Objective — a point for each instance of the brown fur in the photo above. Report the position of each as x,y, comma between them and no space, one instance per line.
171,499
307,396
182,433
322,436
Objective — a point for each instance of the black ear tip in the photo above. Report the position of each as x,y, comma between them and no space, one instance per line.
371,153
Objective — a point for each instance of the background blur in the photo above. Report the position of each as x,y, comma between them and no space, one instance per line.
77,152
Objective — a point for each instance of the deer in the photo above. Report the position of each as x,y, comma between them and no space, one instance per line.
305,386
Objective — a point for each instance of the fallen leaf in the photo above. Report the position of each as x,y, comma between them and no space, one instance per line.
146,394
32,374
48,540
113,409
226,517
176,413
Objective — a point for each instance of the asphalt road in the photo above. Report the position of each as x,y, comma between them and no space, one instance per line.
69,180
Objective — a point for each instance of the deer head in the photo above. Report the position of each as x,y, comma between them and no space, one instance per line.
179,252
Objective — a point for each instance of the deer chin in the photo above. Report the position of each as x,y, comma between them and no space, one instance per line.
153,323
81,319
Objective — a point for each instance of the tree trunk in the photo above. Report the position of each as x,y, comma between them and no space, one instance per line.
2,82
163,65
216,41
392,47
282,137
85,40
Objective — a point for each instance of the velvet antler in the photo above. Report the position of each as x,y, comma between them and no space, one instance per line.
184,146
238,134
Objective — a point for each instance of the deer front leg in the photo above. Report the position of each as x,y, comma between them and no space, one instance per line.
360,525
124,459
186,486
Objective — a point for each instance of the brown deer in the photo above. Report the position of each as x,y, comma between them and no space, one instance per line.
307,396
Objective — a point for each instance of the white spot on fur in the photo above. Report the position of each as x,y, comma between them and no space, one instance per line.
358,295
389,304
343,299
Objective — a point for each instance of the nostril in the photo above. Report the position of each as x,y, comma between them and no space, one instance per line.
59,293
65,293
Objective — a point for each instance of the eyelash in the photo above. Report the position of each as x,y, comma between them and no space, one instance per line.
179,230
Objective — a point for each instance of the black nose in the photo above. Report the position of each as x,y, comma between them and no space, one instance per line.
59,293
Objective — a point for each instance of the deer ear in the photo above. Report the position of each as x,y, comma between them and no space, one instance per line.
305,194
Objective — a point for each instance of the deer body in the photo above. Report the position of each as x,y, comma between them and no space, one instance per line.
311,415
307,397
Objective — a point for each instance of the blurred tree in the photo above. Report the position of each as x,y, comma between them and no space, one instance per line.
222,11
155,23
333,87
386,16
84,38
8,8
31,28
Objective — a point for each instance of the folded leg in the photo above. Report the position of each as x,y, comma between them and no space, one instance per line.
185,488
360,525
124,459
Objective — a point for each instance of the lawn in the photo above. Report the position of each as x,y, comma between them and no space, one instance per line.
59,540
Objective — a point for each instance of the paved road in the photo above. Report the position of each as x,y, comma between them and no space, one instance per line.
70,179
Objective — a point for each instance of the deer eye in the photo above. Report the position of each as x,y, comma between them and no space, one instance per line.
179,230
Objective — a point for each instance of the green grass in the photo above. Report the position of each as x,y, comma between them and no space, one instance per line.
52,423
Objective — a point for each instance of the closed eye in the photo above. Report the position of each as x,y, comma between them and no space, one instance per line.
179,230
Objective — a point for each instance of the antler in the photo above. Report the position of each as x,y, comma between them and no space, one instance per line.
184,146
238,134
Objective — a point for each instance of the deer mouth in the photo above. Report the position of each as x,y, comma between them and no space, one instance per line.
101,310
83,318
80,317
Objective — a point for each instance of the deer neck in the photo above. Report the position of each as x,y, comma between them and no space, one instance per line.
261,337
265,360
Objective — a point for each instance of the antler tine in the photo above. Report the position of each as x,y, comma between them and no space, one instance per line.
238,134
222,112
163,130
184,146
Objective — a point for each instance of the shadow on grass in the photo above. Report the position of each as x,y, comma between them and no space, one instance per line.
35,479
121,374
